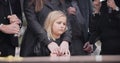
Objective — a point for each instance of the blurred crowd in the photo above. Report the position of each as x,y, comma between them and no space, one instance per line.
59,27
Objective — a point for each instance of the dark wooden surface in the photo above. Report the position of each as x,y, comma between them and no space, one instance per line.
71,59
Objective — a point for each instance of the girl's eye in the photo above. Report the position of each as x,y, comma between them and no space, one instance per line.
58,22
64,23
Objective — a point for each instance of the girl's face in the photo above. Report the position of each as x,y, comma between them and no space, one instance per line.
59,26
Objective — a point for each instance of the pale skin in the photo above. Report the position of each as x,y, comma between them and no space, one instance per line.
14,19
58,28
88,47
13,27
71,10
111,4
97,6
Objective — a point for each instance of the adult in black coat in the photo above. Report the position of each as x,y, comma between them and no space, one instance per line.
35,32
106,26
79,15
10,15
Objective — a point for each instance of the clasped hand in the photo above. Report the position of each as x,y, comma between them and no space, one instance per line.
13,27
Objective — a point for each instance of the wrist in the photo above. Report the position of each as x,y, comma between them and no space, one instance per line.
65,42
51,44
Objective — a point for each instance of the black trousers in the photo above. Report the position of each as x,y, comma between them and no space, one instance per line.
6,48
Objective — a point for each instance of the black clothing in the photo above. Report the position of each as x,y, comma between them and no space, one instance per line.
106,27
79,25
41,50
35,32
8,41
117,2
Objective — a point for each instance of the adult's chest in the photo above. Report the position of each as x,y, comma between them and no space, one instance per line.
4,11
42,15
107,23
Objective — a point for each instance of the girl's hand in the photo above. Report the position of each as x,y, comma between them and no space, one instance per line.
53,47
64,48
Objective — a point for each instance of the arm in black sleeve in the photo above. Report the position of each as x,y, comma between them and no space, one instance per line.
33,23
17,9
116,16
93,28
67,34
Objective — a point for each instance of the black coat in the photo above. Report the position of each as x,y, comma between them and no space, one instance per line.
35,32
80,30
7,41
41,50
106,27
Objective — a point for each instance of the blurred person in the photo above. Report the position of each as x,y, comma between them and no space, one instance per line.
10,15
105,26
55,26
79,12
36,12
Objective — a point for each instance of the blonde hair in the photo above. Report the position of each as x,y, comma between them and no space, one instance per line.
51,18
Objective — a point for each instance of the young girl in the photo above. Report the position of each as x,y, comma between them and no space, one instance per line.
36,12
55,25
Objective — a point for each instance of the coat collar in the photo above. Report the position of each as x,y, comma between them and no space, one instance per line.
50,5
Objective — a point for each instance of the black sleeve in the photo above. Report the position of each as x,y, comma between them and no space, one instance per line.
94,29
33,23
116,15
67,34
17,9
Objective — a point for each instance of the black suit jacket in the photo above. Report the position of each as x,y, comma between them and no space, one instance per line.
85,7
8,39
5,11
